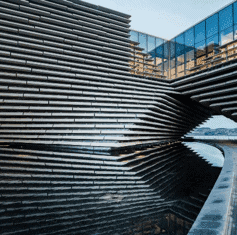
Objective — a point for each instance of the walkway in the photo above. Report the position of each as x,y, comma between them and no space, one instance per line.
219,213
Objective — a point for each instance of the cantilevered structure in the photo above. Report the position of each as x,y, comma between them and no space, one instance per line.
87,146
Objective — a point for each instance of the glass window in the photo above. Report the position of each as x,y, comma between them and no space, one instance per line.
151,44
190,55
159,41
235,32
226,18
200,48
180,39
212,25
189,37
172,63
159,46
180,45
226,36
142,41
180,59
160,51
134,36
200,32
166,50
159,63
235,12
166,64
179,49
172,49
212,43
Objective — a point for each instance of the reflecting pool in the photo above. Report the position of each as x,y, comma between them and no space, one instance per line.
210,153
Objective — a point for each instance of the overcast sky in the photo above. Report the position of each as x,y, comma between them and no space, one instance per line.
164,18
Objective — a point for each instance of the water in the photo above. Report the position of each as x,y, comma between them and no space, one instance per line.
211,154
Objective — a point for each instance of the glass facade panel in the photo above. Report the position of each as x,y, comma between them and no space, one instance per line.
151,44
180,45
226,36
235,12
200,48
212,25
166,50
166,58
189,37
172,49
200,32
159,42
172,63
212,43
143,41
190,55
180,59
184,53
190,65
226,18
235,32
160,51
134,36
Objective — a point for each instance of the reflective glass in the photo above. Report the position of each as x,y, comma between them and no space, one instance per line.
235,32
159,41
172,49
166,50
159,63
180,60
134,36
172,63
235,12
226,36
153,56
179,49
143,41
159,47
160,51
212,42
212,25
180,39
151,44
189,37
180,45
200,32
190,55
166,64
226,18
200,48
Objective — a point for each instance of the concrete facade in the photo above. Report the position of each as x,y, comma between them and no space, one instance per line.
87,147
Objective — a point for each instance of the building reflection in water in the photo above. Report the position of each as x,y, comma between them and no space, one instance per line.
168,224
157,189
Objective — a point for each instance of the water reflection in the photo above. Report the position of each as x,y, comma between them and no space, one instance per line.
168,224
210,153
158,189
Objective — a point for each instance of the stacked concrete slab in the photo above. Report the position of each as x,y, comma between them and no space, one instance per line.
65,80
86,147
55,191
215,89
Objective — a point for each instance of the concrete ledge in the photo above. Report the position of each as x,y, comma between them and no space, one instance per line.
214,217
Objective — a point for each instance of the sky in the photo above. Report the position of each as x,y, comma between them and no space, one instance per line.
219,121
163,18
167,19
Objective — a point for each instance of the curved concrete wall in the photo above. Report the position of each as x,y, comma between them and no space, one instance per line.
86,147
218,212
